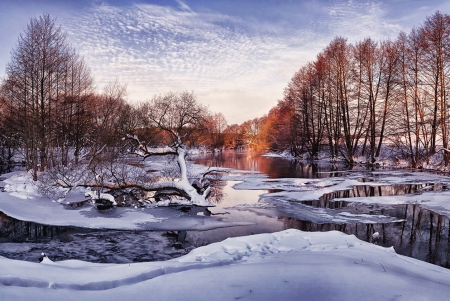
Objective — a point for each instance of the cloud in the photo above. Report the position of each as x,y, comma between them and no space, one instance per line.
237,66
184,6
155,49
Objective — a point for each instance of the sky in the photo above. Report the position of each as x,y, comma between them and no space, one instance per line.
236,55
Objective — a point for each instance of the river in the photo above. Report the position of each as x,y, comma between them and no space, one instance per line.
421,233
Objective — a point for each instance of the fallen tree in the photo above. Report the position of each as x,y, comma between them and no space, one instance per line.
179,117
194,191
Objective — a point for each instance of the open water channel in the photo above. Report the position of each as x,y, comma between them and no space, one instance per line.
418,232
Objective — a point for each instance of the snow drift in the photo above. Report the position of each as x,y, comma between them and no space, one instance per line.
288,265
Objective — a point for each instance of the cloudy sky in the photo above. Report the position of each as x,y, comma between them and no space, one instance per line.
236,55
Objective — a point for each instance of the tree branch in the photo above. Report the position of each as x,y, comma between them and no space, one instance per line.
144,151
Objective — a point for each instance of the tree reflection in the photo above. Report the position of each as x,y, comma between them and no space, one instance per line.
273,167
15,230
423,235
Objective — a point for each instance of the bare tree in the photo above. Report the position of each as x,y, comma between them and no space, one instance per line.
348,109
216,124
373,93
436,66
306,91
389,69
43,68
179,116
107,112
233,136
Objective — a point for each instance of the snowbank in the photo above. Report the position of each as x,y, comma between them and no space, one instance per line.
22,201
288,265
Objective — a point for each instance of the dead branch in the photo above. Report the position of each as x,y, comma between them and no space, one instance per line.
165,188
144,151
211,170
445,150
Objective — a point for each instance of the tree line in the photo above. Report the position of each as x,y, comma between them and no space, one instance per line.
51,113
350,102
354,99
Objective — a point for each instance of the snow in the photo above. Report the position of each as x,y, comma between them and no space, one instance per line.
290,191
182,183
286,195
22,201
435,201
287,265
96,196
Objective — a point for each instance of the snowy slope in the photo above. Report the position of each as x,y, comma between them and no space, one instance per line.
287,265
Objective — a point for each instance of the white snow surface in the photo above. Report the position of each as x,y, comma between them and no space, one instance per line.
287,265
22,201
95,196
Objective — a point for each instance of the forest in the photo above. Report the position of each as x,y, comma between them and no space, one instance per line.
355,99
349,104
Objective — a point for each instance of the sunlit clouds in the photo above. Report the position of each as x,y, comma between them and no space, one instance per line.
236,64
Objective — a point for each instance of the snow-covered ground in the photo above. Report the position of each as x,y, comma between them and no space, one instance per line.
287,265
22,201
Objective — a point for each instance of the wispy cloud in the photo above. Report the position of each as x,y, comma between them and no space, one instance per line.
184,6
361,19
156,49
237,66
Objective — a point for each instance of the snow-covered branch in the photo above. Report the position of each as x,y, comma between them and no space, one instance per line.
445,150
177,115
212,170
142,150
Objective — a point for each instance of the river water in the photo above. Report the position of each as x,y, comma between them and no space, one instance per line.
421,234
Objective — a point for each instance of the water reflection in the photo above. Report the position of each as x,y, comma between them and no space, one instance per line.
26,241
273,167
12,229
423,235
326,200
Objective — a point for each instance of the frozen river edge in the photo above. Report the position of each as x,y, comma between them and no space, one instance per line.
22,201
286,265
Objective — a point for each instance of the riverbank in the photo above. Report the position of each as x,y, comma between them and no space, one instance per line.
389,158
307,254
288,265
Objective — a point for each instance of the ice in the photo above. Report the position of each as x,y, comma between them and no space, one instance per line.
297,190
286,265
285,195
